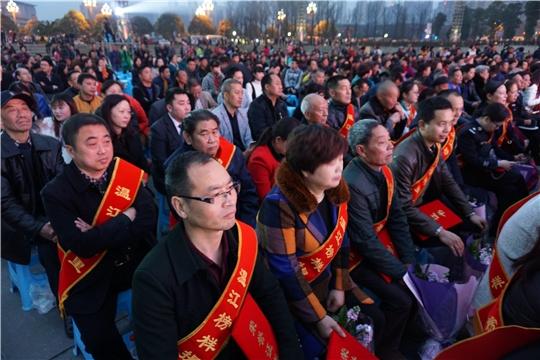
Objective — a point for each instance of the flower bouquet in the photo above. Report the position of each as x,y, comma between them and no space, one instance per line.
445,297
358,324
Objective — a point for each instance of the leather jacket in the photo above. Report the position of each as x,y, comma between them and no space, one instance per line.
22,215
411,160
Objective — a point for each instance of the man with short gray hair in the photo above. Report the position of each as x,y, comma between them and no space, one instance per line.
379,230
233,119
315,109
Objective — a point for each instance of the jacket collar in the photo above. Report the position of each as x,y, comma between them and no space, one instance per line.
292,187
417,137
77,179
10,148
181,257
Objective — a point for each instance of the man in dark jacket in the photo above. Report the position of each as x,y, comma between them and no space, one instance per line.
267,109
339,89
468,89
104,218
201,133
385,108
417,158
177,286
29,161
370,185
146,92
166,134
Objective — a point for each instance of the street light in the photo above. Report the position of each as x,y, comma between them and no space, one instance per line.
312,10
13,8
90,5
234,33
106,10
280,17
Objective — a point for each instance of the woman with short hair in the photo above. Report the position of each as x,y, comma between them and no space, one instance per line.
301,227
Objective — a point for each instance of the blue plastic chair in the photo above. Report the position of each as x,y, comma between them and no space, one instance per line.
21,278
123,306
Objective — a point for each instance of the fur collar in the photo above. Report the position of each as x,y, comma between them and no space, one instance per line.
292,186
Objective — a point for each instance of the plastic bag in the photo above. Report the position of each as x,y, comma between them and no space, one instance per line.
43,299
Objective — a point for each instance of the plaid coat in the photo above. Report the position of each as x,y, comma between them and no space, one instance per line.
289,226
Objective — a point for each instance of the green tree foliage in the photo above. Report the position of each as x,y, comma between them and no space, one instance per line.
438,23
73,22
45,28
201,25
168,25
141,25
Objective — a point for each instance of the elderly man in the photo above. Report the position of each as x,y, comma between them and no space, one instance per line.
29,161
378,230
385,108
234,124
315,109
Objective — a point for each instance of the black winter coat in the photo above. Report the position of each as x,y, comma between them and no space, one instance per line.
173,292
262,114
367,206
21,218
70,196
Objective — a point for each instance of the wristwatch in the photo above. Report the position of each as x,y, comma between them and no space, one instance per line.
438,231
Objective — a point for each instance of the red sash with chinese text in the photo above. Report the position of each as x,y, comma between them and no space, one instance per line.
448,145
119,196
314,263
384,237
225,152
490,316
235,313
349,121
497,276
421,184
412,114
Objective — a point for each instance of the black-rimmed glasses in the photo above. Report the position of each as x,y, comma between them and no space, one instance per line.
212,199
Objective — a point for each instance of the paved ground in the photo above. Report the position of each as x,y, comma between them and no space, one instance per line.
27,335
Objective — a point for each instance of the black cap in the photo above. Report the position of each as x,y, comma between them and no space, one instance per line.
440,80
492,86
8,95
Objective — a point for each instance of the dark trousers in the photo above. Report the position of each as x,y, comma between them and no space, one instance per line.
98,330
396,303
509,187
48,257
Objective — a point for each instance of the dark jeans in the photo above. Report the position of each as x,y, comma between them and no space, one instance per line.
98,330
396,304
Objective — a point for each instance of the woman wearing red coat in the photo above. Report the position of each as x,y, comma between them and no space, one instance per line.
267,154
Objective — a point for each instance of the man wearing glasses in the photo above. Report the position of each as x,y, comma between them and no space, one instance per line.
204,290
201,133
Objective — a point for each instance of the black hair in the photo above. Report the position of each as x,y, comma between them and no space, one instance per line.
449,92
76,122
189,124
172,92
108,104
177,181
282,129
267,80
496,113
70,103
85,76
333,82
163,68
428,107
108,83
